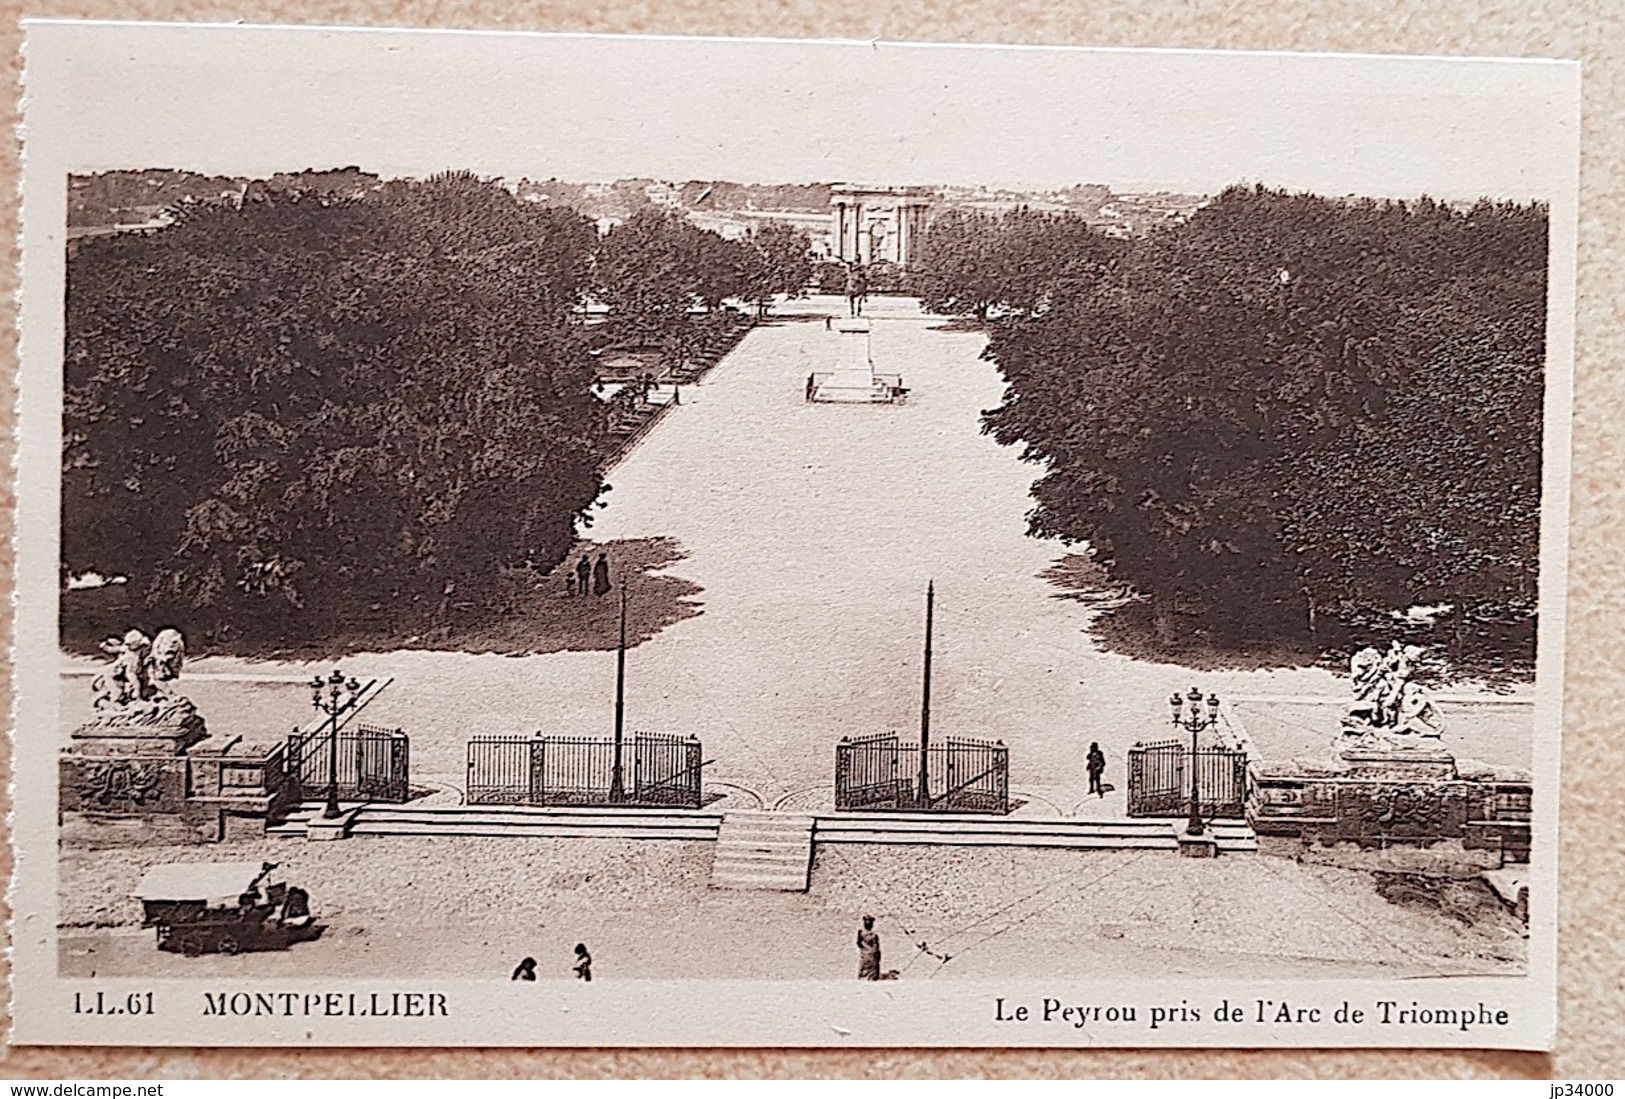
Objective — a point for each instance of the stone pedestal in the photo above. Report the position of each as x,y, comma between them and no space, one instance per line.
167,730
320,829
1205,846
125,778
1424,761
854,370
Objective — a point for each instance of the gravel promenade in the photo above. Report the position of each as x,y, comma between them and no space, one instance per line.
463,906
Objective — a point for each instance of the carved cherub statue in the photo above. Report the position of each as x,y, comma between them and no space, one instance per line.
1389,705
142,670
125,683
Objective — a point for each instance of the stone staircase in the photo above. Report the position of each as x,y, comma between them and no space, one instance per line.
512,822
759,849
975,830
765,851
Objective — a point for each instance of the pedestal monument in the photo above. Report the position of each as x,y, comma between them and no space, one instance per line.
1392,728
854,380
137,709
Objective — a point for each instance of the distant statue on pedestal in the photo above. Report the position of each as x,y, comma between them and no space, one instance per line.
1390,708
857,290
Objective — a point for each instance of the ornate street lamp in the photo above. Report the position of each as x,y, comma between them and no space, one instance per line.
1194,721
332,696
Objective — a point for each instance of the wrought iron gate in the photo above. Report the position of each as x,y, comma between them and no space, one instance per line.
656,769
1159,780
962,775
374,763
867,774
666,770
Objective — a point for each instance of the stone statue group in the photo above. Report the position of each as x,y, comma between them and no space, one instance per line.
1389,705
140,684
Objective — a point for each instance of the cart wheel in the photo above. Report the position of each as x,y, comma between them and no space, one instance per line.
191,947
228,944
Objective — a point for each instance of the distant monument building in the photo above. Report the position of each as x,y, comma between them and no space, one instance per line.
877,224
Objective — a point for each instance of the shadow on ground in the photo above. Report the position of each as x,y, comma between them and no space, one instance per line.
542,616
1128,624
525,613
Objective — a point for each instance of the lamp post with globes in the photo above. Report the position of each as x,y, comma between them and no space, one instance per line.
332,696
1188,715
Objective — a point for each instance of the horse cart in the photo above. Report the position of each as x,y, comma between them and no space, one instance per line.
224,908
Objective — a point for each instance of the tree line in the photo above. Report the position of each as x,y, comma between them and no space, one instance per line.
1286,417
305,414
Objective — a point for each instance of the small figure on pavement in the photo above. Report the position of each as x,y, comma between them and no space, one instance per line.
1097,767
525,970
812,385
868,951
600,575
583,966
569,583
583,574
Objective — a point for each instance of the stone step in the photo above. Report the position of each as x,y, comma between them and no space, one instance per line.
763,850
751,843
786,883
725,872
514,821
1081,842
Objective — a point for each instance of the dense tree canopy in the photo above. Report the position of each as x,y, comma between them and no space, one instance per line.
302,409
657,265
1291,411
972,263
778,260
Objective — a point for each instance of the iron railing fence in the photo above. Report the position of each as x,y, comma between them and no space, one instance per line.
656,769
1159,780
883,773
374,763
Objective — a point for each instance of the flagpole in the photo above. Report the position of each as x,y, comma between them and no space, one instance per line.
924,797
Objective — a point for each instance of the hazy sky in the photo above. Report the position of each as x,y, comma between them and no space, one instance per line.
254,101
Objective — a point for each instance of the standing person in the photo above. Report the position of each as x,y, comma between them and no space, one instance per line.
600,575
868,951
569,583
812,385
1097,767
525,970
583,966
583,574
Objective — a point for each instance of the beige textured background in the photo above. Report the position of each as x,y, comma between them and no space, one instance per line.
1592,977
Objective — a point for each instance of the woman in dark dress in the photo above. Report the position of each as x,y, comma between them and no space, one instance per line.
868,951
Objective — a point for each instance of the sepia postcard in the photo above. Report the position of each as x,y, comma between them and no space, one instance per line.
552,540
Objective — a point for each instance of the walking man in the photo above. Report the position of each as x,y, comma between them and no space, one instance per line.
583,574
868,951
600,575
1097,767
583,966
